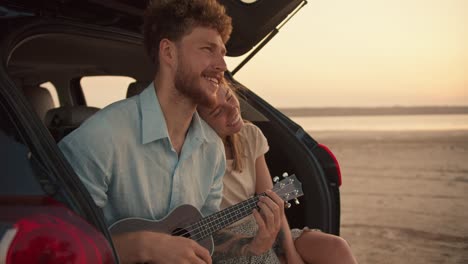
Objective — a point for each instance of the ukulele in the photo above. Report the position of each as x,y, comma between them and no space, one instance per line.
187,221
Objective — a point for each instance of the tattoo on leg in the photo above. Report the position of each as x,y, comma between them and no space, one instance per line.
241,247
221,238
229,245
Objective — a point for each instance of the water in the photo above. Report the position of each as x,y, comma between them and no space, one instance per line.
384,122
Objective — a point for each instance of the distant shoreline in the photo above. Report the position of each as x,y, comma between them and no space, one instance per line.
374,111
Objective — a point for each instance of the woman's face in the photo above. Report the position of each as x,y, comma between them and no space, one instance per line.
225,118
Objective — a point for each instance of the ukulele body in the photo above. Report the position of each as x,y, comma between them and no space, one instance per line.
172,224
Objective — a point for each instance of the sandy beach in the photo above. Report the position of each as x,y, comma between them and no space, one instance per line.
404,194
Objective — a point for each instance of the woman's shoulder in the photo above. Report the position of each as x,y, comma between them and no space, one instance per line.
250,128
250,131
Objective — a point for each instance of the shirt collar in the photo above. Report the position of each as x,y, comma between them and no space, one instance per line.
198,129
154,125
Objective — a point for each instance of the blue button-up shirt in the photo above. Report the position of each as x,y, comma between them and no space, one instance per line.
124,156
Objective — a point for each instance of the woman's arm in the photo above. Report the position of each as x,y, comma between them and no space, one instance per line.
263,183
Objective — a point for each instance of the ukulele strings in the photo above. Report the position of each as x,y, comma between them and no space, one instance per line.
197,229
200,229
252,199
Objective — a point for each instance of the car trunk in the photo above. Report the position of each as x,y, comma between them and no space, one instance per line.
103,33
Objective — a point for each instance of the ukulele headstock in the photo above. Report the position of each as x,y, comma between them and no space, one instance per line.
288,188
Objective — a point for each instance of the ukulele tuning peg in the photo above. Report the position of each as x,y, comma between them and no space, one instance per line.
287,205
285,174
296,201
276,179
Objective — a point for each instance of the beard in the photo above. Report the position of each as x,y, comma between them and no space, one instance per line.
188,84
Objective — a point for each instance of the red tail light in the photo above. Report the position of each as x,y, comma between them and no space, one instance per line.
331,164
45,231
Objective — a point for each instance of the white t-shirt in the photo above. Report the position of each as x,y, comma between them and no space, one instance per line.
239,186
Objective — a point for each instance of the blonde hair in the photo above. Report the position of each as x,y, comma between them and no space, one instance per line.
235,141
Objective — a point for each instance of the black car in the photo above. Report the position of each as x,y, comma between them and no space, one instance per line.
46,214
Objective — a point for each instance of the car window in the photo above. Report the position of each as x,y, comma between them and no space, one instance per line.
100,91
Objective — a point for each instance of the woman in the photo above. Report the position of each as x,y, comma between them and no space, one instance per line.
247,174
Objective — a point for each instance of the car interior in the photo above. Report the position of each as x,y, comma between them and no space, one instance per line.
64,57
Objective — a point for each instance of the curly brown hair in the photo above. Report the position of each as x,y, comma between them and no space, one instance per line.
172,19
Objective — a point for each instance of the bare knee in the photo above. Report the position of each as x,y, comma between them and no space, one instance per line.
343,250
317,247
340,243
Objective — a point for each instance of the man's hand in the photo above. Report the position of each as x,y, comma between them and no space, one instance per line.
151,247
269,222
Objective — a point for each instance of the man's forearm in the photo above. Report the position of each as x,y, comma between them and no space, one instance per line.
230,245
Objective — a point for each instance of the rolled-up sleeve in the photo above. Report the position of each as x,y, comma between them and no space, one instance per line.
92,167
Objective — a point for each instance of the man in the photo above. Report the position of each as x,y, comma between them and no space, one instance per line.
144,156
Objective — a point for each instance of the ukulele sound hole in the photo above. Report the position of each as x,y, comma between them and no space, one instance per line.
181,232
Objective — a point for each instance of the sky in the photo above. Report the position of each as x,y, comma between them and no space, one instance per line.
365,53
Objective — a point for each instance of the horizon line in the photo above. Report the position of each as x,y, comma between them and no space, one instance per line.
373,110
